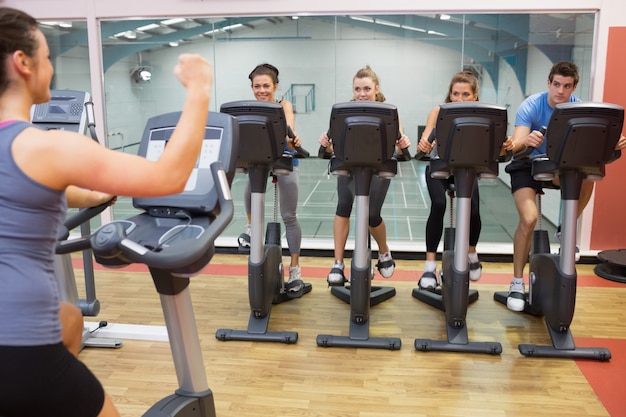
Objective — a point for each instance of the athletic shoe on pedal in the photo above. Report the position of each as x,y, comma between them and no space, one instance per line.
557,236
336,276
244,240
475,270
516,300
386,264
428,281
295,284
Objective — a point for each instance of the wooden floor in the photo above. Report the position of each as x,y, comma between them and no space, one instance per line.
254,379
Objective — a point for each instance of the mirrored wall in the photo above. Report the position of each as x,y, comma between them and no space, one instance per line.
413,55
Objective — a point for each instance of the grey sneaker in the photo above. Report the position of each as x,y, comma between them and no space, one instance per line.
294,284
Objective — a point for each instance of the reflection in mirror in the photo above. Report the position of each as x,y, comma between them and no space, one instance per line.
413,55
69,53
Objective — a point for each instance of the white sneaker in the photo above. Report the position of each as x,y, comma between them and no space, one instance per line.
294,284
336,276
475,271
577,255
516,300
244,239
386,264
428,281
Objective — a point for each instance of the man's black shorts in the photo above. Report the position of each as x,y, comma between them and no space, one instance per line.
521,177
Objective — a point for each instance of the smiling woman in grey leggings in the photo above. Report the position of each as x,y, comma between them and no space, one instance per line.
264,79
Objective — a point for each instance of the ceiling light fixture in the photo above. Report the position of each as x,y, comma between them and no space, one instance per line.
59,24
173,21
231,27
387,23
362,19
148,27
432,32
413,28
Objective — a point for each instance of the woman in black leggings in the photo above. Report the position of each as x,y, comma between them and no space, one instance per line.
463,87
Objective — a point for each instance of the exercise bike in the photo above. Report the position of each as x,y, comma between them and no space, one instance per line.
364,139
243,239
73,110
580,141
469,139
66,279
174,236
263,129
449,234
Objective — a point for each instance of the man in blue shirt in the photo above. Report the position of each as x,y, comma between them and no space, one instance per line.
533,113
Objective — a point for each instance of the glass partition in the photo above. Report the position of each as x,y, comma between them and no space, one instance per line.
413,55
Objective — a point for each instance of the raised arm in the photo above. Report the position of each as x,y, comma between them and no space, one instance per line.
77,160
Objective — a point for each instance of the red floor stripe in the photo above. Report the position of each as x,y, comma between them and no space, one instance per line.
321,272
607,378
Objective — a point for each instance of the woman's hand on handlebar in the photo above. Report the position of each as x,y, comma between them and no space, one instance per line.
424,145
95,198
81,198
402,148
326,147
326,143
324,140
621,143
403,143
294,142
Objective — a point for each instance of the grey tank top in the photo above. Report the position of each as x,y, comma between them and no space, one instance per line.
31,216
